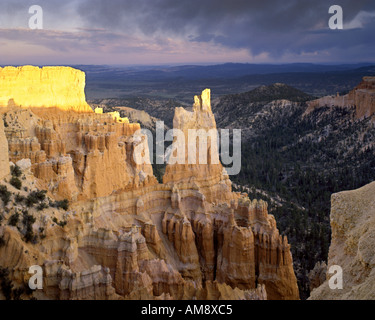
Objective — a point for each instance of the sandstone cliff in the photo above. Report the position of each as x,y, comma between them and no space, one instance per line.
124,235
46,87
362,97
79,156
352,246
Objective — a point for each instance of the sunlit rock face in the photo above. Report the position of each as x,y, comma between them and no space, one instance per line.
126,236
28,86
77,155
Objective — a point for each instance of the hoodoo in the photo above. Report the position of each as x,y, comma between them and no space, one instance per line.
124,235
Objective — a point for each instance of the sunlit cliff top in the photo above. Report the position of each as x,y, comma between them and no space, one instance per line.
29,86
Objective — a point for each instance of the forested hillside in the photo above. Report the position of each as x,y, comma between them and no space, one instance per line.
296,161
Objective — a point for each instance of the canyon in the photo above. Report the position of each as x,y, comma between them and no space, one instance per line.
124,235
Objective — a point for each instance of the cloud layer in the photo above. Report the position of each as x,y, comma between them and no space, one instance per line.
162,31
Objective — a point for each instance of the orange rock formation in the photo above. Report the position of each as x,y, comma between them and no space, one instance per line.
128,236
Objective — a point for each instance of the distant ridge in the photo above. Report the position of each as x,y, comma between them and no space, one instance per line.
226,70
268,93
181,82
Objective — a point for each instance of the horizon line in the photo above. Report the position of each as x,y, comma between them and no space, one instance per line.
203,64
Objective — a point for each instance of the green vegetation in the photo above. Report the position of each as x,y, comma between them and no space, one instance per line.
16,171
5,195
6,125
28,221
42,234
19,198
35,197
13,220
59,223
15,182
7,287
25,226
304,160
5,283
63,204
41,206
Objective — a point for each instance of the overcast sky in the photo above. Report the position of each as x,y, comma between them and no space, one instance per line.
178,31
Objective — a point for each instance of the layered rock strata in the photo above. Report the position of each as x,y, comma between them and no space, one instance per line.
78,156
127,237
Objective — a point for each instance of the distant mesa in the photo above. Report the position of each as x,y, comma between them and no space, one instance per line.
362,97
47,87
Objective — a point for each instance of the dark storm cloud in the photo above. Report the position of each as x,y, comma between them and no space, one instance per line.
176,16
269,30
271,26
